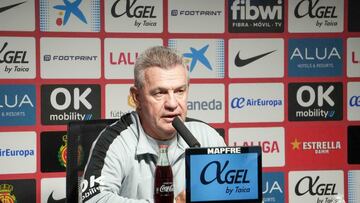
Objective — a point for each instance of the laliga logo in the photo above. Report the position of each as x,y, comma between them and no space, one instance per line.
231,176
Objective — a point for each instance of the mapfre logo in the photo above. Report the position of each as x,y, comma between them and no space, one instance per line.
271,140
315,101
256,16
134,16
316,15
316,186
315,57
63,103
17,57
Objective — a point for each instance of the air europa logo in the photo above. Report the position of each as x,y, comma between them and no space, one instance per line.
241,102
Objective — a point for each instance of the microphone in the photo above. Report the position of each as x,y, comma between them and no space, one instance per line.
185,133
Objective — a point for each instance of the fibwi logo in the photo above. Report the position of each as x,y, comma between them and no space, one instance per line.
256,16
70,16
17,105
6,193
63,103
273,187
315,57
203,57
315,101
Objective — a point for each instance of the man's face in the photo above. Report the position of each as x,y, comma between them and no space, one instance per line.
163,97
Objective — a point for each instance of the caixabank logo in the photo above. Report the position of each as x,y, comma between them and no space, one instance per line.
315,57
53,151
63,103
315,101
12,191
256,16
17,105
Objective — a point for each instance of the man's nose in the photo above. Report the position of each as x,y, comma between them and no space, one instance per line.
171,101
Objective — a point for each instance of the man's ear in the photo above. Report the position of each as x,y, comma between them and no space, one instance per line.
134,92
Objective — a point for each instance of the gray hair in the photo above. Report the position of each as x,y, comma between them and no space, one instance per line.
157,56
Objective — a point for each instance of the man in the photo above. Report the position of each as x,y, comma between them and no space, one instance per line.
123,158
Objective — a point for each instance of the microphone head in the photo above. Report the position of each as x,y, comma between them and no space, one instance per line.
185,132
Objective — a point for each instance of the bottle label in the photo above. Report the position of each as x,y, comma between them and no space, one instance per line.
166,187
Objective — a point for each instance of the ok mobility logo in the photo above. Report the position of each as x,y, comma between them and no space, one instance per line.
315,101
63,103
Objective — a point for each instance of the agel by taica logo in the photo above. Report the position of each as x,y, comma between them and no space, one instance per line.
63,103
315,101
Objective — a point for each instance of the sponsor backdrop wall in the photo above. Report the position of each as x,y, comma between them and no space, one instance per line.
281,74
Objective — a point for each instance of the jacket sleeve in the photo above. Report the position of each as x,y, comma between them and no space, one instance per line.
104,173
